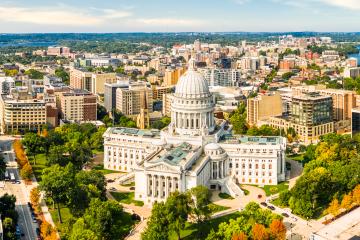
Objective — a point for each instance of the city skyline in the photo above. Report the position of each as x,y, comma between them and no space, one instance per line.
20,16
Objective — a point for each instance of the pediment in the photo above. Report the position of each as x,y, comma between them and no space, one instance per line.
162,167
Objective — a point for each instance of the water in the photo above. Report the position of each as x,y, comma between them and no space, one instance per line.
27,44
356,55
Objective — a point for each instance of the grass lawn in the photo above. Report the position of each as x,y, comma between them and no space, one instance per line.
225,196
194,231
95,151
39,166
126,197
296,157
100,168
274,189
216,208
132,184
65,215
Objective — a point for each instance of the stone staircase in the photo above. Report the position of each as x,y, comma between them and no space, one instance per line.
128,177
233,189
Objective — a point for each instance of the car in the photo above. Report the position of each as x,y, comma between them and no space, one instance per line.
18,182
113,189
29,205
259,196
17,231
33,218
37,232
285,214
271,207
110,180
132,188
264,204
135,217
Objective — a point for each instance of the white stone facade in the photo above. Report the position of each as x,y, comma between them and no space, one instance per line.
195,149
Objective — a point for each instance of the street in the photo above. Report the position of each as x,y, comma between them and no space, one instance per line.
25,222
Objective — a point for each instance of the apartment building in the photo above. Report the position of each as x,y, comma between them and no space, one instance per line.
19,112
92,82
262,107
130,100
78,105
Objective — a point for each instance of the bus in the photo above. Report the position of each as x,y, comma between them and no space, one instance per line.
7,177
12,178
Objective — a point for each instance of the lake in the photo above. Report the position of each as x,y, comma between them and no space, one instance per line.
356,55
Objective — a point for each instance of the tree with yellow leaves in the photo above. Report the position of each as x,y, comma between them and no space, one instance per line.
48,232
334,207
347,201
35,197
259,232
239,236
277,230
356,194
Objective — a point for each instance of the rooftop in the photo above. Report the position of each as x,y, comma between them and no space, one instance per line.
258,140
152,133
175,155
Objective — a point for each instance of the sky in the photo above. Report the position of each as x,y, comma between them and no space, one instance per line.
42,16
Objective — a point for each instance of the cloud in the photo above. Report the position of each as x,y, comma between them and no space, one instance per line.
349,4
60,16
171,22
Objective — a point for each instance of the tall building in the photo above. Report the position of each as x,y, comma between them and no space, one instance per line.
355,120
172,76
6,84
262,107
78,105
221,76
128,100
92,82
352,72
110,93
195,149
311,116
20,112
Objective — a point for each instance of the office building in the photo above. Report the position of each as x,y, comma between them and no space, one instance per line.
262,107
110,93
20,112
78,105
128,100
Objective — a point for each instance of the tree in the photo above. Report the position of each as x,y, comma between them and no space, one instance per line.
64,75
9,229
346,201
34,74
277,230
158,224
238,119
200,197
81,232
57,182
356,195
35,197
334,207
34,144
106,219
47,231
26,172
259,232
178,210
239,236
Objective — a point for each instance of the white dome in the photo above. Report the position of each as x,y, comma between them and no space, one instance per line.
212,147
192,84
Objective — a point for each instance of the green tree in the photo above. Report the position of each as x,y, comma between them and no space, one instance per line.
200,197
26,171
178,210
158,224
57,182
2,167
64,75
81,232
34,144
34,74
238,119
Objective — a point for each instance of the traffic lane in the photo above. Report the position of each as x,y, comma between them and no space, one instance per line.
28,227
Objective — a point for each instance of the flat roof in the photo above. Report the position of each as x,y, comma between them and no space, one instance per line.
259,140
176,154
135,132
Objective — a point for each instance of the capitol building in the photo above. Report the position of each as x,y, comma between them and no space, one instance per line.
195,149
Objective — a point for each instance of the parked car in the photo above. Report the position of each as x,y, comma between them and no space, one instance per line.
285,214
17,231
264,204
271,207
110,180
33,218
259,196
132,188
113,189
